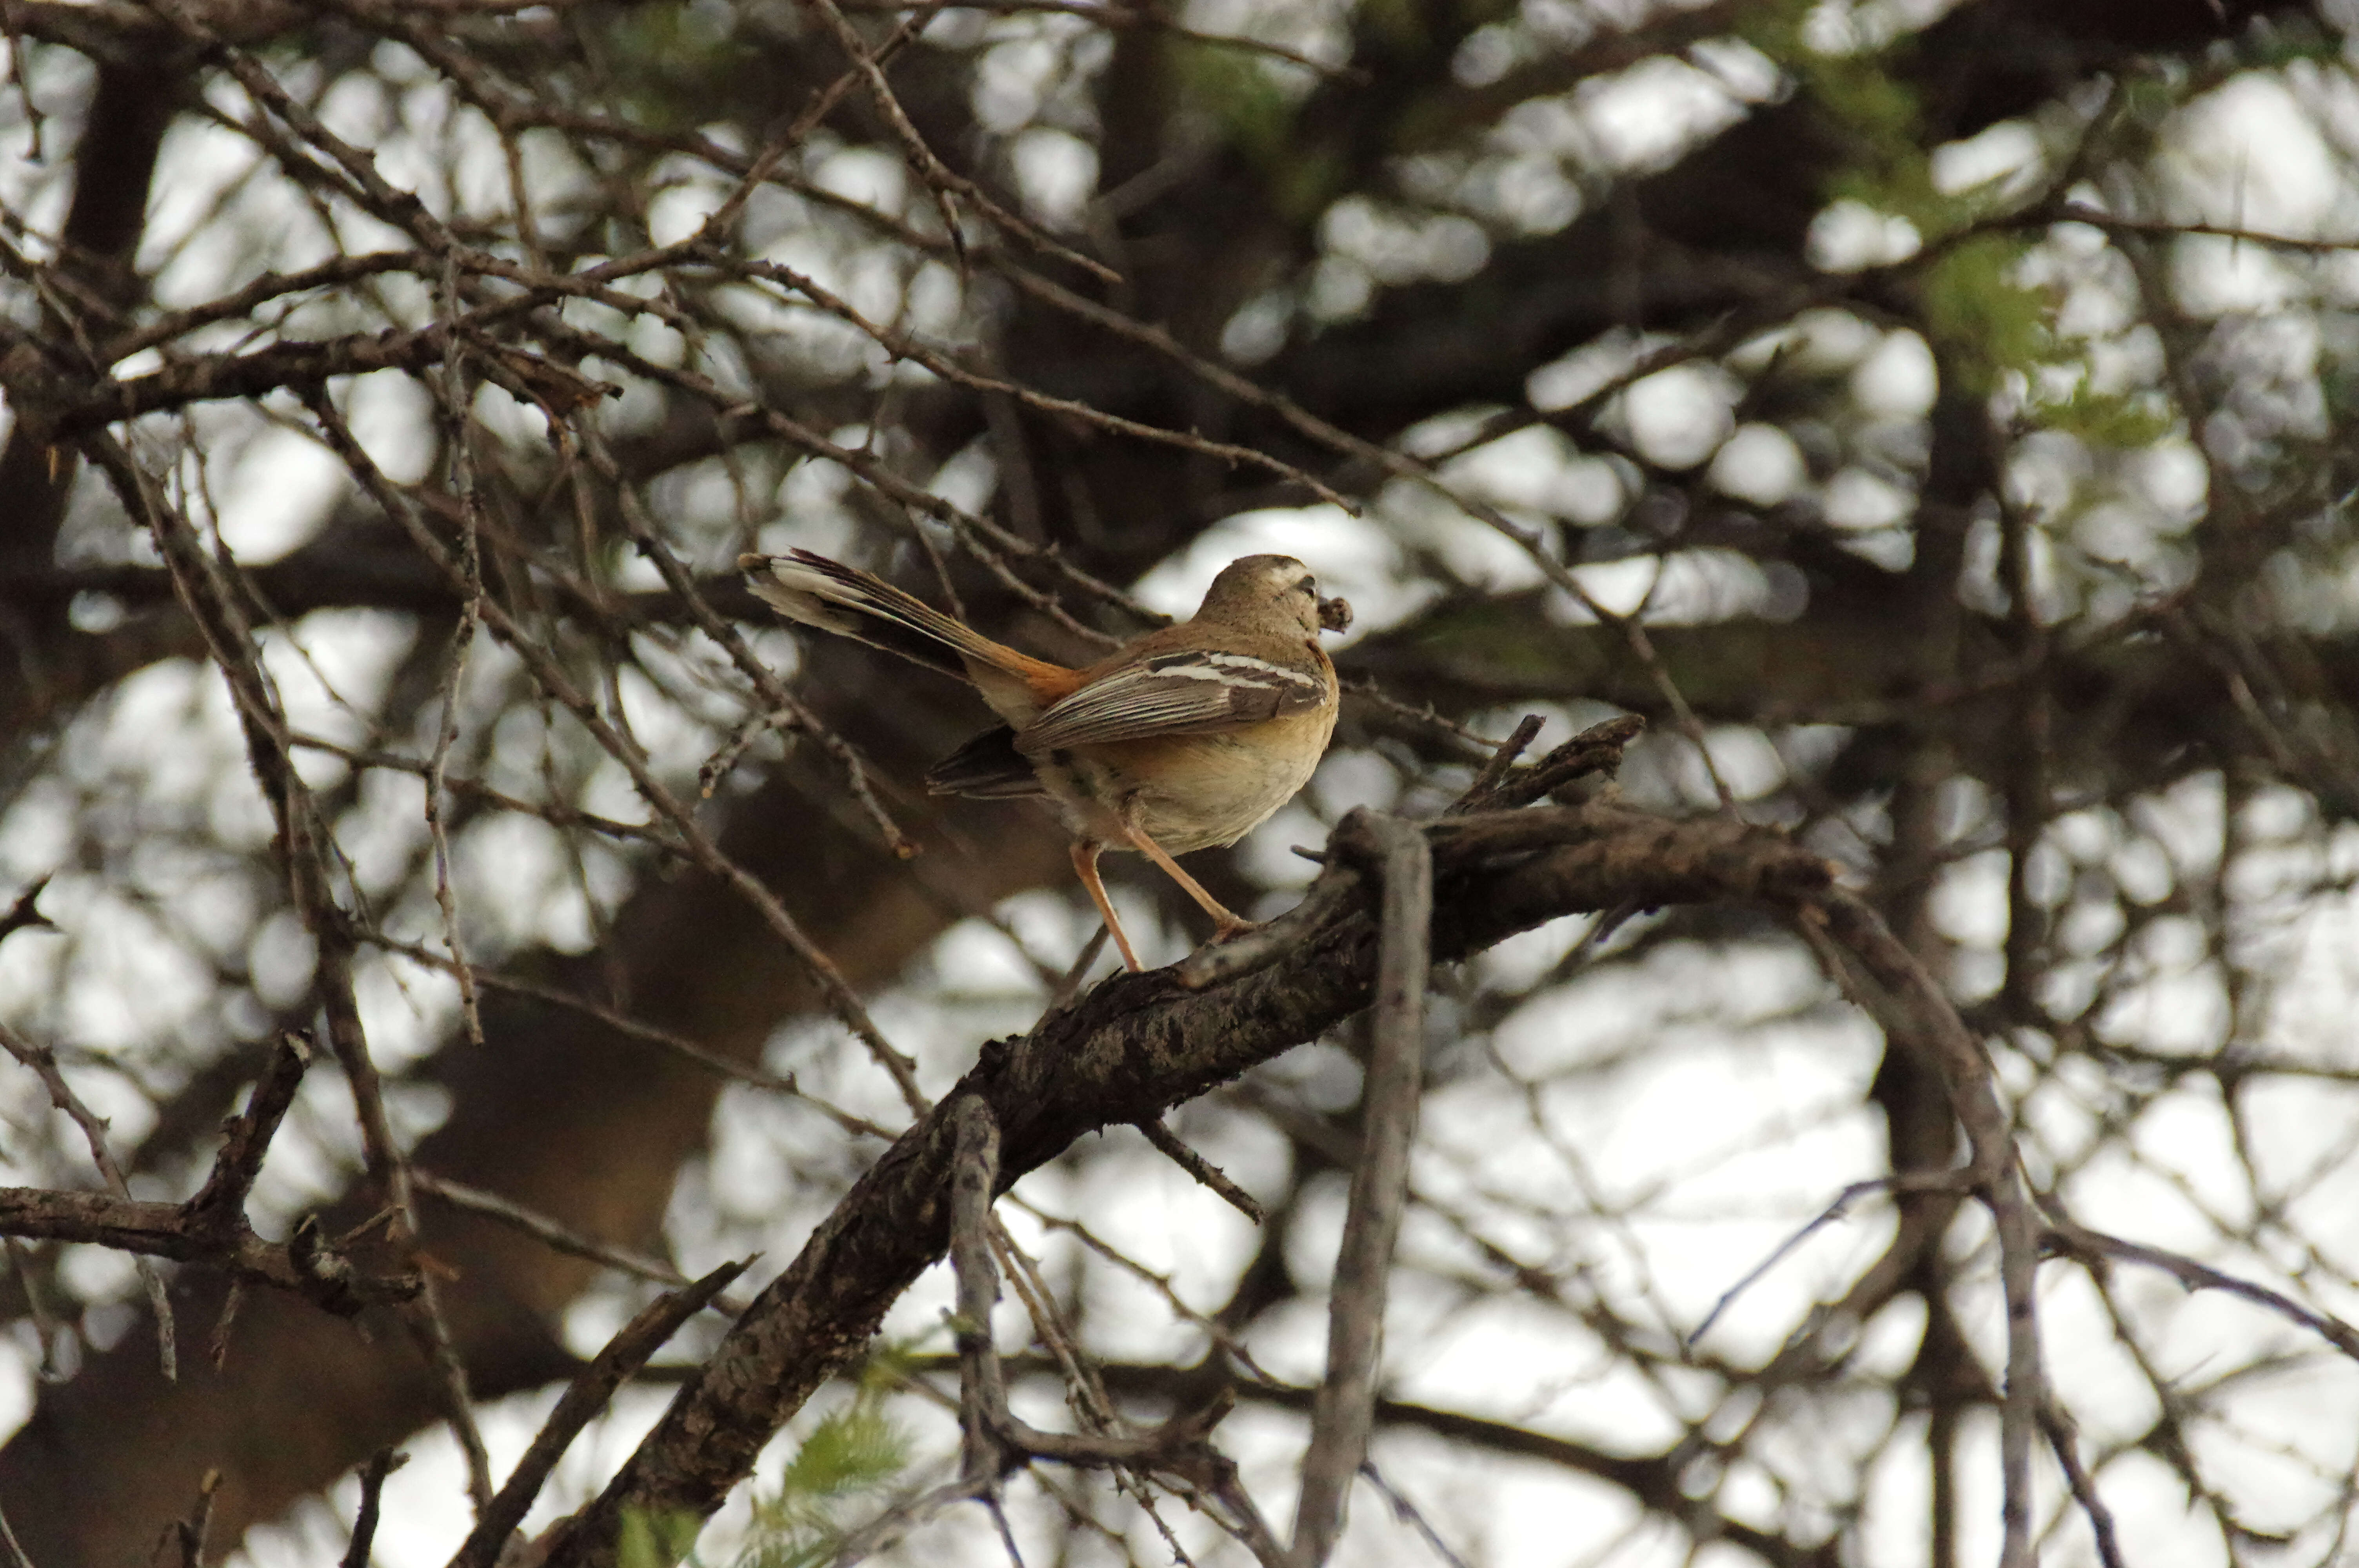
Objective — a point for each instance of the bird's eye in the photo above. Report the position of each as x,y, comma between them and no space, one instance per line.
1308,585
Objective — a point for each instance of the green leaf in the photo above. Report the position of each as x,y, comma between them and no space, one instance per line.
1985,321
653,1538
2124,421
855,1450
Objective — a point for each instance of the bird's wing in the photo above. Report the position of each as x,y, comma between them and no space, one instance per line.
1192,692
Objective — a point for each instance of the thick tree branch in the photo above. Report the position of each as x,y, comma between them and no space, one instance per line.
1133,1047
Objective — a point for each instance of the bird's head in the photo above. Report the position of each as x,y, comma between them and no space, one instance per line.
1252,587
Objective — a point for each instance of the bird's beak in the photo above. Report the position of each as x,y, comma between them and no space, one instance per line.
1335,614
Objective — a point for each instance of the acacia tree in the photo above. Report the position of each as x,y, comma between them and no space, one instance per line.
1931,425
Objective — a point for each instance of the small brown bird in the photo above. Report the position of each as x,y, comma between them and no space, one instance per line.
1187,737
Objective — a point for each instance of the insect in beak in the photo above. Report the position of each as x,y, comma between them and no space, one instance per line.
1335,614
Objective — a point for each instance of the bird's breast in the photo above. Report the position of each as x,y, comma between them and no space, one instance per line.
1190,792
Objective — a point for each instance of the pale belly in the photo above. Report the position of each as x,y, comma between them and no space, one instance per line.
1192,792
1253,785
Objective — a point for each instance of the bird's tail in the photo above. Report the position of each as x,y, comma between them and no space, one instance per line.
849,602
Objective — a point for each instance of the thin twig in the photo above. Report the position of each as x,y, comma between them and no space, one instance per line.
929,168
191,1532
217,1342
15,1549
383,1463
1907,1181
1411,1515
740,740
1596,750
1478,793
1119,17
1071,981
2078,1241
1336,889
775,697
1918,1015
942,364
559,1237
45,1326
44,1063
995,1438
1346,1408
1205,1172
201,581
591,1388
552,678
248,1135
2065,1443
622,1023
557,814
454,675
888,1530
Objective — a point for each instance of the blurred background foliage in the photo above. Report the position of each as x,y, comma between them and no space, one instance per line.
1936,419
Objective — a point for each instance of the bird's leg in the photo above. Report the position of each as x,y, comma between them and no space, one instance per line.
1226,923
1085,861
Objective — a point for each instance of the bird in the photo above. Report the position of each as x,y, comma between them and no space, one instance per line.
1187,737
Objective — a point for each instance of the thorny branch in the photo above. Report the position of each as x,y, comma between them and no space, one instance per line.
211,1227
304,845
31,1206
553,679
518,324
1138,1043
